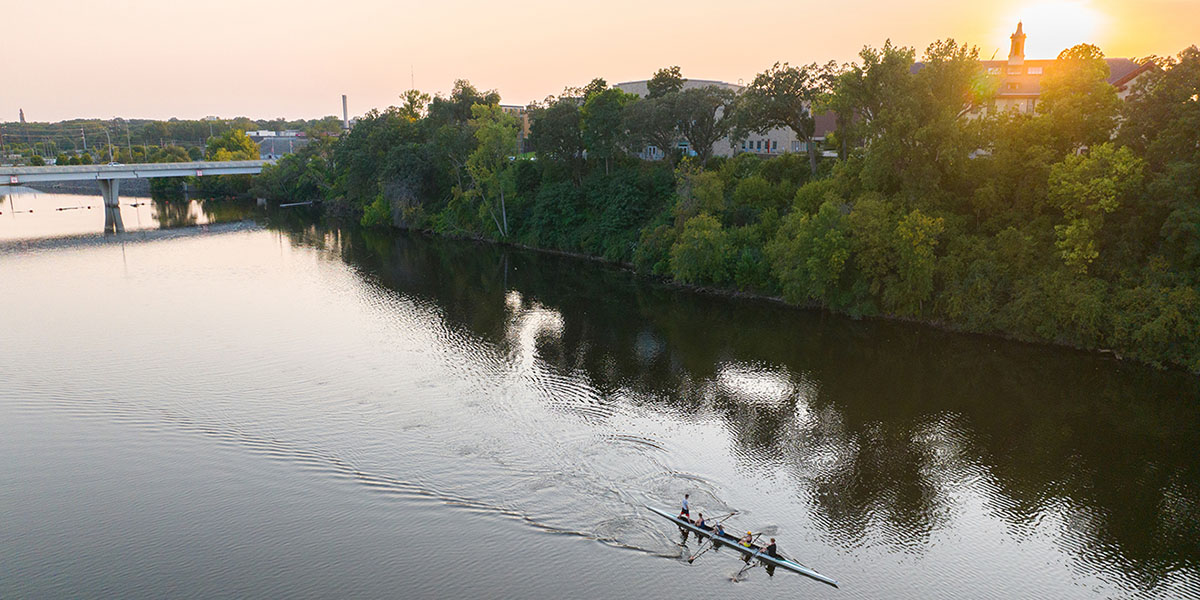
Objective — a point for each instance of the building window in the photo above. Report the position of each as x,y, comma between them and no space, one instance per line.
759,145
1011,86
795,146
1035,70
993,70
774,145
1014,70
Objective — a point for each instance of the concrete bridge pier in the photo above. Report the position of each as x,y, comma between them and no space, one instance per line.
110,189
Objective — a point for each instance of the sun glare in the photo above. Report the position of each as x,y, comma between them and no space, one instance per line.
1054,26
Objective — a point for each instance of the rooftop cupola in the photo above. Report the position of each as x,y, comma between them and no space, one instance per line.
1016,55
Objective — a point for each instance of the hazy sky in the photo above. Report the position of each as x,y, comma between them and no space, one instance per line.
294,58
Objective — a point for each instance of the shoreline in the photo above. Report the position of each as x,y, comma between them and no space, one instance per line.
813,306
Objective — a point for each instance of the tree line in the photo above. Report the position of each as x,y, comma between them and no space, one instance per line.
1076,224
133,140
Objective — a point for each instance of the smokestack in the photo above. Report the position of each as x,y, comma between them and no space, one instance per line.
345,115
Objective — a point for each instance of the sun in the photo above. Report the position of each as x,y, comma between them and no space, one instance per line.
1056,25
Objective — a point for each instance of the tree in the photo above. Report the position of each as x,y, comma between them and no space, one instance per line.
231,145
701,252
593,87
496,132
654,122
1079,105
705,116
1087,187
413,104
457,108
784,96
604,133
1161,116
557,137
916,238
324,126
809,255
665,81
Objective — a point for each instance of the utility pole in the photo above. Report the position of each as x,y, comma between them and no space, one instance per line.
109,137
128,142
84,134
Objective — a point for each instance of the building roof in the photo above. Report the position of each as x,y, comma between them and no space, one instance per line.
1024,80
639,87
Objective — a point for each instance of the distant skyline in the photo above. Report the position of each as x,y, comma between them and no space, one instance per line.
273,58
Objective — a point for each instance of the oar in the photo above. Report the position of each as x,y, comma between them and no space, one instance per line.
749,561
712,539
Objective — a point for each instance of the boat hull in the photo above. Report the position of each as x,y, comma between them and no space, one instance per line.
755,552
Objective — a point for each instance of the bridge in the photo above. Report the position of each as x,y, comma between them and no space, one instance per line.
109,177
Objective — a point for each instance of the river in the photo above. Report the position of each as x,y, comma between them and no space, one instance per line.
231,402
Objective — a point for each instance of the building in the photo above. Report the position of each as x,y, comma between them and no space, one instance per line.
1019,80
277,146
522,115
775,142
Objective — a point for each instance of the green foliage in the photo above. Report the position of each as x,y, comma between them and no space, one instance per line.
1085,188
654,122
602,124
1037,226
701,253
231,145
413,104
1080,104
705,115
653,253
1162,114
916,237
665,81
784,96
557,136
755,195
697,192
810,255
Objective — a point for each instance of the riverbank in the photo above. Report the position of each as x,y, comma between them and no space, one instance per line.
1035,239
778,300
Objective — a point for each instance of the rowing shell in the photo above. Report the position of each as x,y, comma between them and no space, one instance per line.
755,552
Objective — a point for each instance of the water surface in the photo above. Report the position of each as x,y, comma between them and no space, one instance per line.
275,408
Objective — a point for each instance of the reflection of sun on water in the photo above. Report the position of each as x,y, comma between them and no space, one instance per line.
1055,26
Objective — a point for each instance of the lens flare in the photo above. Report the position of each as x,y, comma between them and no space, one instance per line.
1055,26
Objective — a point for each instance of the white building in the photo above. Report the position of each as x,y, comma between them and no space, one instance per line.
773,143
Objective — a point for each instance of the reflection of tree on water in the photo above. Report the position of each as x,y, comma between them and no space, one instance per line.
883,424
187,212
174,213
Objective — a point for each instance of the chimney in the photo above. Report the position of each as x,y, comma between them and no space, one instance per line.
1016,54
345,115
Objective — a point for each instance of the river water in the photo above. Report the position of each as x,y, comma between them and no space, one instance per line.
234,403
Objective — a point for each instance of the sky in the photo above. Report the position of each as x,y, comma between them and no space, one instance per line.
295,58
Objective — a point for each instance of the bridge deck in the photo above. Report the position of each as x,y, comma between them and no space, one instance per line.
25,175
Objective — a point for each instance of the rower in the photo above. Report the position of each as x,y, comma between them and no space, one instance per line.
684,513
700,522
772,550
720,529
748,540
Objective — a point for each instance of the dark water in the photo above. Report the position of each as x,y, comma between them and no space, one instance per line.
275,409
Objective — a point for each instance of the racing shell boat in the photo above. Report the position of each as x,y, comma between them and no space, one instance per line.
754,552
